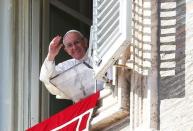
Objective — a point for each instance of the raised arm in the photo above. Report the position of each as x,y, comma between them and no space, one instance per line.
48,68
54,48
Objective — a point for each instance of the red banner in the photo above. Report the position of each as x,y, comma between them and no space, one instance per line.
73,118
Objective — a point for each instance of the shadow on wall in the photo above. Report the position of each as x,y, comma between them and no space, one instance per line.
172,45
172,48
171,54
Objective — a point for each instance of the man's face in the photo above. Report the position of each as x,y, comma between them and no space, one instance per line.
75,45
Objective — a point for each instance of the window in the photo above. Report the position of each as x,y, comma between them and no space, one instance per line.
111,32
110,36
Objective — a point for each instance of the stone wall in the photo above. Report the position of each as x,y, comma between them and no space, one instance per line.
176,65
175,60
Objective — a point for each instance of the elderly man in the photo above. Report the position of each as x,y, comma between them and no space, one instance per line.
76,45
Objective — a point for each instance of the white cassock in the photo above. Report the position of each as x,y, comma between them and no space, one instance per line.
72,79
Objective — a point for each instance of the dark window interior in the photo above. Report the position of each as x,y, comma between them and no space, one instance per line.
60,22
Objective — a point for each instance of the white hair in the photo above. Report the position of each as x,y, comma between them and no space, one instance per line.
73,31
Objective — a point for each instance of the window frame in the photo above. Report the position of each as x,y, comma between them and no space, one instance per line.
115,102
102,60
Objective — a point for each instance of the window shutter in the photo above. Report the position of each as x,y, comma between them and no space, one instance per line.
111,32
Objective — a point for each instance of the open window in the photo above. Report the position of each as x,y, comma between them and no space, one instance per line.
110,37
111,32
